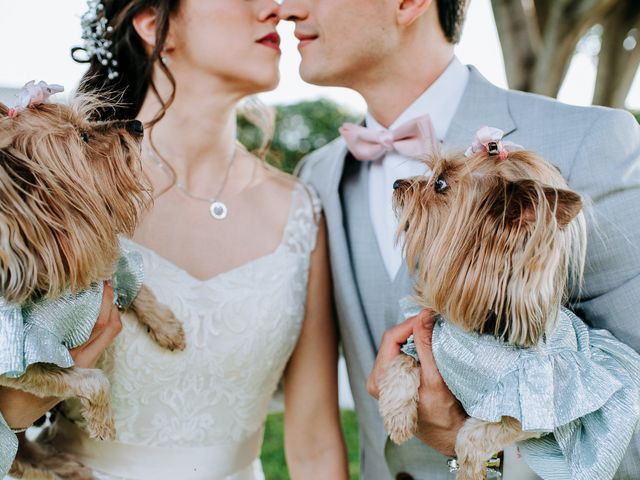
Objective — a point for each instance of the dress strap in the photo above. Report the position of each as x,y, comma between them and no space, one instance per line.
301,232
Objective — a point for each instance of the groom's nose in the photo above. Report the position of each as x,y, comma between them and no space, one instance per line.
293,10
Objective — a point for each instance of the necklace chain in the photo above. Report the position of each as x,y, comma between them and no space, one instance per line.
217,209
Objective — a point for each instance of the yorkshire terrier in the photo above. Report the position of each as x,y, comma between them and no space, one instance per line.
69,186
494,238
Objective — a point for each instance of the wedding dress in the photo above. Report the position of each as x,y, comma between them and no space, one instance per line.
199,414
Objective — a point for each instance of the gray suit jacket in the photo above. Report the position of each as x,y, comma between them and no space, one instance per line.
598,152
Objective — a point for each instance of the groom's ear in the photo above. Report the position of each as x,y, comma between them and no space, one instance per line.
410,10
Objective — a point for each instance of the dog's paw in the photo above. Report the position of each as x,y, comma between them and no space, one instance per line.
104,429
170,333
97,412
400,428
400,437
470,470
100,423
401,422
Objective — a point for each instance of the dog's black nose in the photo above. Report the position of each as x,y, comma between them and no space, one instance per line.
135,128
396,184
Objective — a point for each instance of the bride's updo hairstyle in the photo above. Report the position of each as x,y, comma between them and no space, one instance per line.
120,67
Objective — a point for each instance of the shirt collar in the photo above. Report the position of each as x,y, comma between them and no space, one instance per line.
440,100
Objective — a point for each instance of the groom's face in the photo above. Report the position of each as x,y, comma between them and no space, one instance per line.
342,42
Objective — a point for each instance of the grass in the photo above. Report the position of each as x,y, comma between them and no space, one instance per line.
272,455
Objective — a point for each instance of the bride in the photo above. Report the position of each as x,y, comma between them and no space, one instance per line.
236,249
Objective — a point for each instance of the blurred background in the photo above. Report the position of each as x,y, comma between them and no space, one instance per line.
581,51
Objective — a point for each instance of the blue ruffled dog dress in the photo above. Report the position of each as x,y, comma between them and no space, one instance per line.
43,331
581,386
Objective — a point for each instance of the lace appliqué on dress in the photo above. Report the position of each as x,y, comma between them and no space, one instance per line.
241,328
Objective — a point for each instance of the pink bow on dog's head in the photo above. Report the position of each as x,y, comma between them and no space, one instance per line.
489,139
33,94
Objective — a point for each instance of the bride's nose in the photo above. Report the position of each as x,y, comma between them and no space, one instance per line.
269,12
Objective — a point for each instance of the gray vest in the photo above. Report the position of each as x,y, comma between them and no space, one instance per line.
380,296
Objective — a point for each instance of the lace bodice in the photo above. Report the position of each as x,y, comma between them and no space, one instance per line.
241,327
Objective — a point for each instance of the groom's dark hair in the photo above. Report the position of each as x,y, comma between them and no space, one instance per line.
451,14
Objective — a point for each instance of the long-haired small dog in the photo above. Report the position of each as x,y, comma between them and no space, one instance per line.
68,187
492,242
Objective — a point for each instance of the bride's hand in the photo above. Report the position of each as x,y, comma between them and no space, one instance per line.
104,332
21,409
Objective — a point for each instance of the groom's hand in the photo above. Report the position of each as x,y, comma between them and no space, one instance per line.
440,415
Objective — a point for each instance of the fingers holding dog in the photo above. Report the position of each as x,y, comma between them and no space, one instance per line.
107,327
389,349
438,406
422,336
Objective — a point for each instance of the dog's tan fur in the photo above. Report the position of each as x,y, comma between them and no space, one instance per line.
63,201
154,316
398,398
68,187
493,254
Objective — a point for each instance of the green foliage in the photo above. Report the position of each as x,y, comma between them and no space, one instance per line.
300,128
273,461
636,113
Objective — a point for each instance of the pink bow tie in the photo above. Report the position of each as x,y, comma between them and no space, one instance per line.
412,139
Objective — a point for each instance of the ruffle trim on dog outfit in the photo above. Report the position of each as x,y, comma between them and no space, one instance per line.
580,386
43,331
8,447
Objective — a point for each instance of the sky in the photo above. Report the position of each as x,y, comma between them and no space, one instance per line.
37,35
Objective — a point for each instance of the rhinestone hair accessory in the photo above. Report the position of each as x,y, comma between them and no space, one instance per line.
96,33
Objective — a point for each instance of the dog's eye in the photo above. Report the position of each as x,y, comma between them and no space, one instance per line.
441,184
84,136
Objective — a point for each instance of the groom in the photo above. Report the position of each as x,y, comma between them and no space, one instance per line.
399,55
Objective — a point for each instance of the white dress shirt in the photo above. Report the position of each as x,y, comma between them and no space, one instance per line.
440,101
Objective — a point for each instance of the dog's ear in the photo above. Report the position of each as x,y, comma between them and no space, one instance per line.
565,204
519,201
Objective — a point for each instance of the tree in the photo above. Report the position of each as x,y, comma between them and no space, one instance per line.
539,38
300,128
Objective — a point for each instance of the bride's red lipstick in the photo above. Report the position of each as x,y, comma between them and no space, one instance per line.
271,40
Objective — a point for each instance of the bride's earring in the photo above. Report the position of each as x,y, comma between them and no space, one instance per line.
164,58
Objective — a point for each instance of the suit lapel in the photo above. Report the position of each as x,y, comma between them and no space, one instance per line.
347,296
482,104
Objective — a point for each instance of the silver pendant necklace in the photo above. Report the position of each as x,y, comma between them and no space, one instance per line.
217,209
